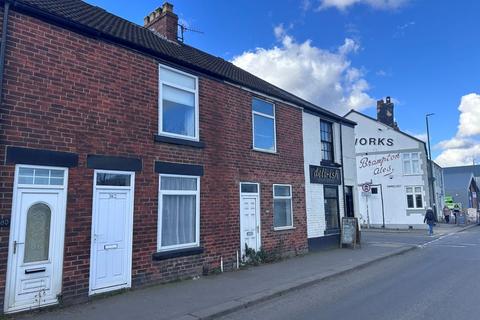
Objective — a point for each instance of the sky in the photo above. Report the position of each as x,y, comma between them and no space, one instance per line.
347,54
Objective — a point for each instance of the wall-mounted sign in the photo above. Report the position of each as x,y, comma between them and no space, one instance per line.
379,164
4,222
325,175
374,142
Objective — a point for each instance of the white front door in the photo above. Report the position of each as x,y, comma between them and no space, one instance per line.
249,217
376,206
34,274
112,224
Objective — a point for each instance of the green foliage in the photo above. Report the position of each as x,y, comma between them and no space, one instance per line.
259,257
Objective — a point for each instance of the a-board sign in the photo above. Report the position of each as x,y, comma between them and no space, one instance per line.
349,231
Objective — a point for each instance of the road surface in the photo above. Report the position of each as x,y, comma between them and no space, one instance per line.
440,280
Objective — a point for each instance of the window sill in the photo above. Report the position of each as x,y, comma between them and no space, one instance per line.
178,141
284,228
330,164
164,255
331,232
264,151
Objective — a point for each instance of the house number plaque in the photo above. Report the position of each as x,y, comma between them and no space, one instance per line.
4,222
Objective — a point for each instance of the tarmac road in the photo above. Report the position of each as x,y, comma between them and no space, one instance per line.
440,280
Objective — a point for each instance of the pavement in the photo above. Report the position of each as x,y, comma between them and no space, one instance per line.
440,280
218,295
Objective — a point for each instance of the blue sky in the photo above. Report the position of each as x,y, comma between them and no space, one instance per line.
425,54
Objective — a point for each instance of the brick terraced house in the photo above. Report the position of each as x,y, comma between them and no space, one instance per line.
129,158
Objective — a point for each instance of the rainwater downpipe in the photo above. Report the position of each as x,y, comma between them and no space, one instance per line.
6,8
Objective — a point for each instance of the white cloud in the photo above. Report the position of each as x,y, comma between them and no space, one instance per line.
469,115
376,4
464,147
323,77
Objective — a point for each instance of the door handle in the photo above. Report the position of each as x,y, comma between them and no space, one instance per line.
15,243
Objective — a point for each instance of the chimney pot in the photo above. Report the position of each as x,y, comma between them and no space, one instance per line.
164,21
385,112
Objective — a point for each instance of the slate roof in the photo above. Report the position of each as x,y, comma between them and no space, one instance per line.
77,13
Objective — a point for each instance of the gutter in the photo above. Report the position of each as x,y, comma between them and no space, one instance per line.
6,9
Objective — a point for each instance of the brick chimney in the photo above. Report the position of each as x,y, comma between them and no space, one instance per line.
163,21
385,112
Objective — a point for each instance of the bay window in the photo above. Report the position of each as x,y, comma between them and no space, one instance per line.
179,212
178,114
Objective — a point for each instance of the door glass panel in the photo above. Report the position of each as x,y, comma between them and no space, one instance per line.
113,179
37,235
249,188
40,176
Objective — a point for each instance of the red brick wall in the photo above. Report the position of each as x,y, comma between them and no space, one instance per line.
67,92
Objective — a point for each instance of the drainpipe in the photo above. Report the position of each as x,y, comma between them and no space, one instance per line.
343,173
3,46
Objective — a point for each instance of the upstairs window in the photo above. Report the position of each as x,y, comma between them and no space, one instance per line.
263,115
178,114
326,138
411,163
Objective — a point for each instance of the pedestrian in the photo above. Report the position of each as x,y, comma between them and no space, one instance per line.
446,214
456,212
430,219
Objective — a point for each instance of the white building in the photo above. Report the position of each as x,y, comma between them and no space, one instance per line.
394,165
330,177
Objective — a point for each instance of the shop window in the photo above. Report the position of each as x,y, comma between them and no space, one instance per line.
332,216
414,197
179,212
282,206
263,115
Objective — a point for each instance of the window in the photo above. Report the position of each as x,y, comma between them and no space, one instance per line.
40,176
326,137
249,188
113,179
414,197
411,163
263,115
178,114
330,195
282,206
179,212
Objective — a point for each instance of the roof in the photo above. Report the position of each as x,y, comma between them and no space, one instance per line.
76,14
458,181
397,130
474,169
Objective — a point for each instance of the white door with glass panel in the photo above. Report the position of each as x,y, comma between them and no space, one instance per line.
112,223
249,217
34,273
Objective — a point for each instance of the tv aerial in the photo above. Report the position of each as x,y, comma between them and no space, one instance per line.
183,29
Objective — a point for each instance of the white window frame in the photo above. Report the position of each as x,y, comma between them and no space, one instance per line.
160,103
283,197
161,192
40,186
265,116
410,164
414,194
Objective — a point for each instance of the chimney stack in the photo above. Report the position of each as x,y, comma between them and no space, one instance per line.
163,21
385,113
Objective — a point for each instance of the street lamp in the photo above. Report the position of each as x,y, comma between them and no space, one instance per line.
432,197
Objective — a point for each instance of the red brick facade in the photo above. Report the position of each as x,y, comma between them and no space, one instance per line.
67,92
